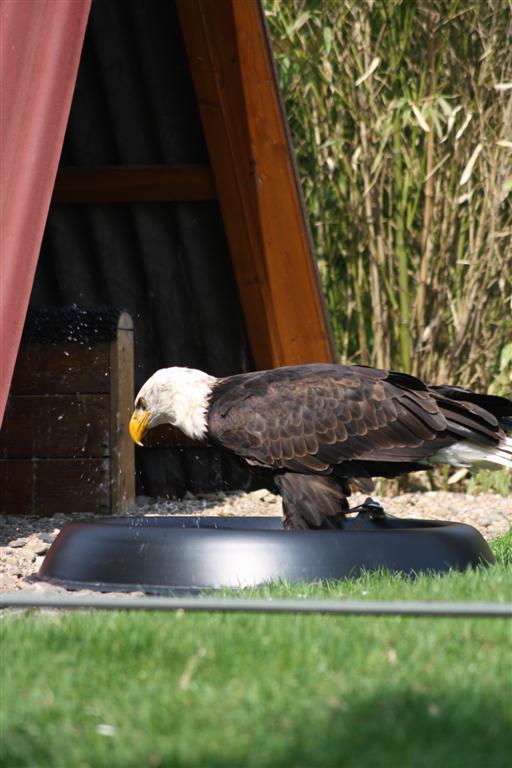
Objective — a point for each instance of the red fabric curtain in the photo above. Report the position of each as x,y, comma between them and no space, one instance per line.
40,46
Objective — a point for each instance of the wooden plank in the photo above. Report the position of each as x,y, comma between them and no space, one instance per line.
219,92
287,244
54,486
167,436
56,426
133,184
61,367
121,406
253,167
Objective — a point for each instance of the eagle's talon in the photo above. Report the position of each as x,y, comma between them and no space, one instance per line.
370,508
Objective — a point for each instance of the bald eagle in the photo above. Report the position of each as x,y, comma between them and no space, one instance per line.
324,431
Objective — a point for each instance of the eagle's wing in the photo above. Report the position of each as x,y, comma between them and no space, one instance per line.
491,410
307,418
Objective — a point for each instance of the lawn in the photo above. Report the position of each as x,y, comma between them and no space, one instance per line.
112,689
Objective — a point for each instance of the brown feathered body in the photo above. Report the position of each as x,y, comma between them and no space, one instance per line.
326,430
323,431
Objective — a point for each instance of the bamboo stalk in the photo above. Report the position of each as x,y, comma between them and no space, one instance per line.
426,232
403,267
396,235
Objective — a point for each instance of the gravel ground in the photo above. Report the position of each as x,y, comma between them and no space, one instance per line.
24,541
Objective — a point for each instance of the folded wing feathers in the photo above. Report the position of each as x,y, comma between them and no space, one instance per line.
315,421
342,421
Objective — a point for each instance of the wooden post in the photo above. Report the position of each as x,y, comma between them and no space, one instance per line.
254,174
122,460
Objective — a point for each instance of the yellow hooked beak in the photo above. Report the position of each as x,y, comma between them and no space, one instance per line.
138,425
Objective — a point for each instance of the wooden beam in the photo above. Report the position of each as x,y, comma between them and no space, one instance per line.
167,436
255,177
122,458
56,426
133,184
61,368
54,486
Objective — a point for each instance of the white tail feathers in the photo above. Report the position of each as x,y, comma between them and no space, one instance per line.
474,456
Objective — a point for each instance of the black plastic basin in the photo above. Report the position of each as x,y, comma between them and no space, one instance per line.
171,554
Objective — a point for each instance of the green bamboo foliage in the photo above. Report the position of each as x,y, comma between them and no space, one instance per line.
401,116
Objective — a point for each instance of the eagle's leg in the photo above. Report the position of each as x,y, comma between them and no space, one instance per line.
311,501
369,508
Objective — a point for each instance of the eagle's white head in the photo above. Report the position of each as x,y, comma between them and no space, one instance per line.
177,396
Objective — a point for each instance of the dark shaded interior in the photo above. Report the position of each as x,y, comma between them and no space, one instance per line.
167,264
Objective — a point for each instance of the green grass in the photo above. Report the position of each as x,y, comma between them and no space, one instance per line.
259,690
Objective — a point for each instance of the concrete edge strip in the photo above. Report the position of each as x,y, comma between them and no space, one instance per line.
259,605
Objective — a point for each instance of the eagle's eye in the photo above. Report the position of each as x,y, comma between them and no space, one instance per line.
141,403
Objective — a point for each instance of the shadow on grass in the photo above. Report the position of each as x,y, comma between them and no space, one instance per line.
402,728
